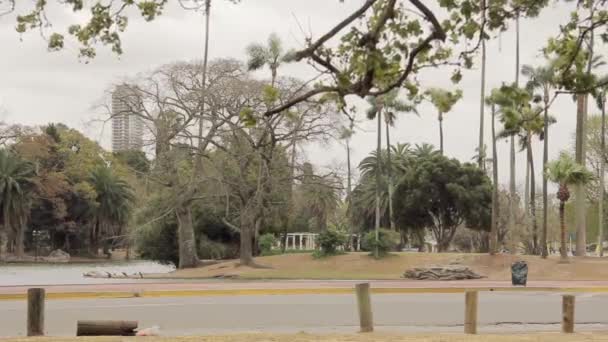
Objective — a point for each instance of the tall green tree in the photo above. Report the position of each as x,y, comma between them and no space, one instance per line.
442,194
16,189
525,123
542,79
566,172
443,101
115,199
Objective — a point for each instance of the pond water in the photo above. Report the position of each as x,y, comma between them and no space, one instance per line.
65,274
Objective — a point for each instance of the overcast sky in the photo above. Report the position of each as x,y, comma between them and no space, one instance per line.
37,87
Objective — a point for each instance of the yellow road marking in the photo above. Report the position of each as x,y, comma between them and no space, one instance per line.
302,291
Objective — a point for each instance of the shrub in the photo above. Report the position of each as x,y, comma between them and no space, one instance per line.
209,249
387,241
265,242
158,242
329,241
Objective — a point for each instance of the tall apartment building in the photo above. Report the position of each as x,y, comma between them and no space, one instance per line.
127,126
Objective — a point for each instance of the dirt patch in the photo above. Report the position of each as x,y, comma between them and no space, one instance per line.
362,266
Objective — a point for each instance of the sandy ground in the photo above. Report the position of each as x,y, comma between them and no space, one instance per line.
342,338
362,266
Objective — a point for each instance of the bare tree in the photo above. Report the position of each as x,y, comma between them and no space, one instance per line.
168,100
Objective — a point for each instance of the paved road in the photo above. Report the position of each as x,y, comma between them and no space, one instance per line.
194,285
499,312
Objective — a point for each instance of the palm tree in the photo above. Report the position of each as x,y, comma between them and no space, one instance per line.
270,55
16,188
543,80
114,200
600,95
525,124
389,106
320,196
443,101
566,172
363,202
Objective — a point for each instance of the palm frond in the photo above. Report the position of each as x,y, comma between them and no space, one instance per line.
257,57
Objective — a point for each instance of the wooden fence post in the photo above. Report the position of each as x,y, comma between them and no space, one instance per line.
35,312
365,307
470,312
568,314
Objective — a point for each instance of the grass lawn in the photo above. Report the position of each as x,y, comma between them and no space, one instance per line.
376,337
362,266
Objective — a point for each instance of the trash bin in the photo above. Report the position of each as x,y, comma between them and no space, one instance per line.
519,273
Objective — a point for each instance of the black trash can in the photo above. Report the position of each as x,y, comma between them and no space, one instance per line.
519,273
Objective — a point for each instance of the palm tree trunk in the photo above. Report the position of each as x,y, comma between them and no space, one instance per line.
291,191
378,166
203,85
543,239
527,185
581,122
389,173
494,226
350,243
20,238
579,190
482,106
441,133
532,196
562,222
600,233
188,256
512,187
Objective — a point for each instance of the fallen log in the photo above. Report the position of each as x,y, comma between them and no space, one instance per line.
106,328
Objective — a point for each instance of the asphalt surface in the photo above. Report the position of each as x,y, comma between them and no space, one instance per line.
206,284
498,312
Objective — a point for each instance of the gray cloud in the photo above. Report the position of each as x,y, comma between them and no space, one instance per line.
37,86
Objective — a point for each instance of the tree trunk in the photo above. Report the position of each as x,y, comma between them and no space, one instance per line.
389,173
543,239
348,194
246,253
579,190
3,242
600,233
512,189
94,247
562,222
203,85
441,133
291,210
532,196
581,141
378,171
494,226
188,256
482,106
527,184
512,176
20,240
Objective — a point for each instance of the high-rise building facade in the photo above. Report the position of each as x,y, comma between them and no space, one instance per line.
127,125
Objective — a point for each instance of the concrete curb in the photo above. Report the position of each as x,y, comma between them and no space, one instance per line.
302,291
